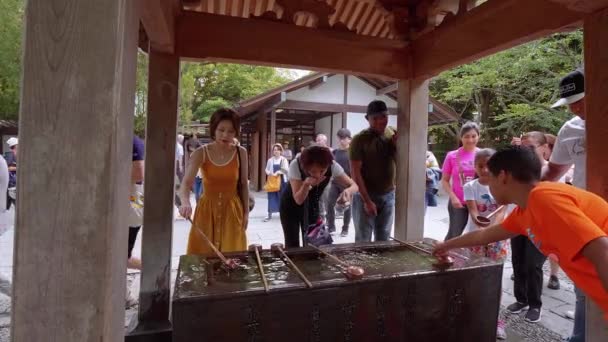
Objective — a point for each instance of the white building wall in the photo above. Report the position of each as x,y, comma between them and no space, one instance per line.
337,125
356,122
323,126
361,93
331,91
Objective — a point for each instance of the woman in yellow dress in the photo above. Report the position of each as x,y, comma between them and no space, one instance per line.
219,212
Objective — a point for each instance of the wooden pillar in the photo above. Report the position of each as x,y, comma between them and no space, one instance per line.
255,161
262,125
273,127
596,116
412,100
76,133
161,131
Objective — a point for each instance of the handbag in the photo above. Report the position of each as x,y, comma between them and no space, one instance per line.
273,183
318,234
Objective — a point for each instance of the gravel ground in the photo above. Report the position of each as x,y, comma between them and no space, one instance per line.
520,330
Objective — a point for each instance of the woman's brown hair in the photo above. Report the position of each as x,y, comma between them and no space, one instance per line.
221,115
316,155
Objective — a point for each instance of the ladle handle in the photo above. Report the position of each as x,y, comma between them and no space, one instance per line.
412,246
259,261
334,258
215,250
495,212
293,265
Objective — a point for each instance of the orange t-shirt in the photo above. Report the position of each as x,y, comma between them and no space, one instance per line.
560,220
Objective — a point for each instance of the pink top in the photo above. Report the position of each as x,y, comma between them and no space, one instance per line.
467,169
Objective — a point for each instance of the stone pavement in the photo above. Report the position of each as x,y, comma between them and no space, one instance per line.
553,327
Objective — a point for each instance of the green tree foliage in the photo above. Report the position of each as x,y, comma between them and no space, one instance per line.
141,95
205,87
217,85
511,92
11,17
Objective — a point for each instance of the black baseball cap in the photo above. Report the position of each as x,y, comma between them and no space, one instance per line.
343,133
571,88
376,107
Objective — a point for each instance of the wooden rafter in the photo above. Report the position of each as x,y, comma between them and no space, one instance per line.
491,27
587,6
389,88
326,107
256,41
158,18
318,82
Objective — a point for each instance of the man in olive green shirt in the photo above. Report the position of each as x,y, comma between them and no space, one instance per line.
372,160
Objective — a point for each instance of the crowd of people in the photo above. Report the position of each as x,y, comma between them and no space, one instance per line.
498,200
551,215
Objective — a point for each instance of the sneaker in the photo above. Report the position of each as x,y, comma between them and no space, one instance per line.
344,233
516,307
570,314
266,219
533,315
553,283
501,334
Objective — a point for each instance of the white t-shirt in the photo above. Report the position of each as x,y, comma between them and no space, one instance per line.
179,152
294,170
431,160
570,149
474,191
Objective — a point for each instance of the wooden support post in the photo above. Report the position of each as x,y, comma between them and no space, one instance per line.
412,121
161,131
78,92
255,161
273,127
263,130
596,116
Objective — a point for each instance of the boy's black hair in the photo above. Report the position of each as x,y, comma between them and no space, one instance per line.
520,161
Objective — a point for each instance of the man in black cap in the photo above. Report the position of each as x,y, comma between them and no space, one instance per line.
341,157
569,149
372,155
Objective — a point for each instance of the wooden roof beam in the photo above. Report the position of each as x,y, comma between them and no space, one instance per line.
389,88
491,27
326,107
255,41
158,18
318,82
587,6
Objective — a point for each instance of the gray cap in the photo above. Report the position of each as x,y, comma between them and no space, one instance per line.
343,133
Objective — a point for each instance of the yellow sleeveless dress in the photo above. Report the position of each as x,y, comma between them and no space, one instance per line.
219,212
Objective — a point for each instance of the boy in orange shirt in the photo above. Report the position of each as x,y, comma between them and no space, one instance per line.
565,223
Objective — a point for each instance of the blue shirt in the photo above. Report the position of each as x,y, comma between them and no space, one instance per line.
138,149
